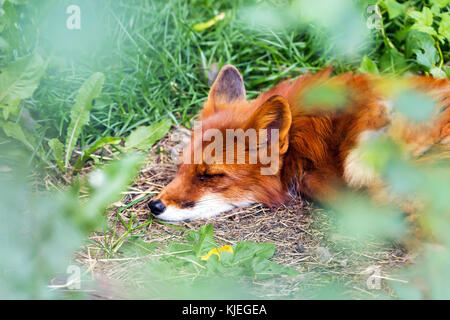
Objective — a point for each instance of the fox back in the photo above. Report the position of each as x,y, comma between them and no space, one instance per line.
284,144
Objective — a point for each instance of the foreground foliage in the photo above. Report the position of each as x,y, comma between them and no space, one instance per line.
137,68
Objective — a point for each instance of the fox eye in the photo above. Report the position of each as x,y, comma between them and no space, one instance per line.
205,176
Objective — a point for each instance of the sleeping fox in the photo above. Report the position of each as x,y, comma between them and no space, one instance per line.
281,147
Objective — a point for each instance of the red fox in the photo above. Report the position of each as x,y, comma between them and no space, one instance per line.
315,149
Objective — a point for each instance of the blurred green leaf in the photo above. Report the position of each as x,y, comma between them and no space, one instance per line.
80,112
438,73
246,250
393,61
144,137
358,217
21,78
415,105
423,20
99,144
11,109
248,258
58,152
427,55
368,66
444,26
402,177
18,81
428,278
3,44
14,130
40,231
107,184
344,24
415,41
136,247
340,24
202,240
394,8
326,96
377,152
441,3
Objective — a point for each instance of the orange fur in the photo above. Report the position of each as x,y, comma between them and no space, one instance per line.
316,145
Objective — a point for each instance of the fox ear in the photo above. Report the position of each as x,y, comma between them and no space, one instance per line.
228,87
273,114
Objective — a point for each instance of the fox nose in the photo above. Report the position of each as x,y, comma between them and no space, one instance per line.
156,207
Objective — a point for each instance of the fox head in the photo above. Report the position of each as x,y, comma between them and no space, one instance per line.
234,156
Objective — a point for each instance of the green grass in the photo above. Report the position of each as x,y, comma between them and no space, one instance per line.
155,67
156,64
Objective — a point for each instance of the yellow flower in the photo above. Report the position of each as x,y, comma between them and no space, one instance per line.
216,251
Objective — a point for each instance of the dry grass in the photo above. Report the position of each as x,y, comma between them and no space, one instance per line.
302,233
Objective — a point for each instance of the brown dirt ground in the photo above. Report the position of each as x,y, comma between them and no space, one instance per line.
302,233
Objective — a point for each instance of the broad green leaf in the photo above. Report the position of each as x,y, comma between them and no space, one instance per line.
423,21
441,3
393,61
422,18
246,250
14,130
99,144
80,112
243,259
368,66
58,152
435,10
202,240
415,41
143,138
394,8
438,73
12,109
425,29
444,26
21,78
264,269
427,55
